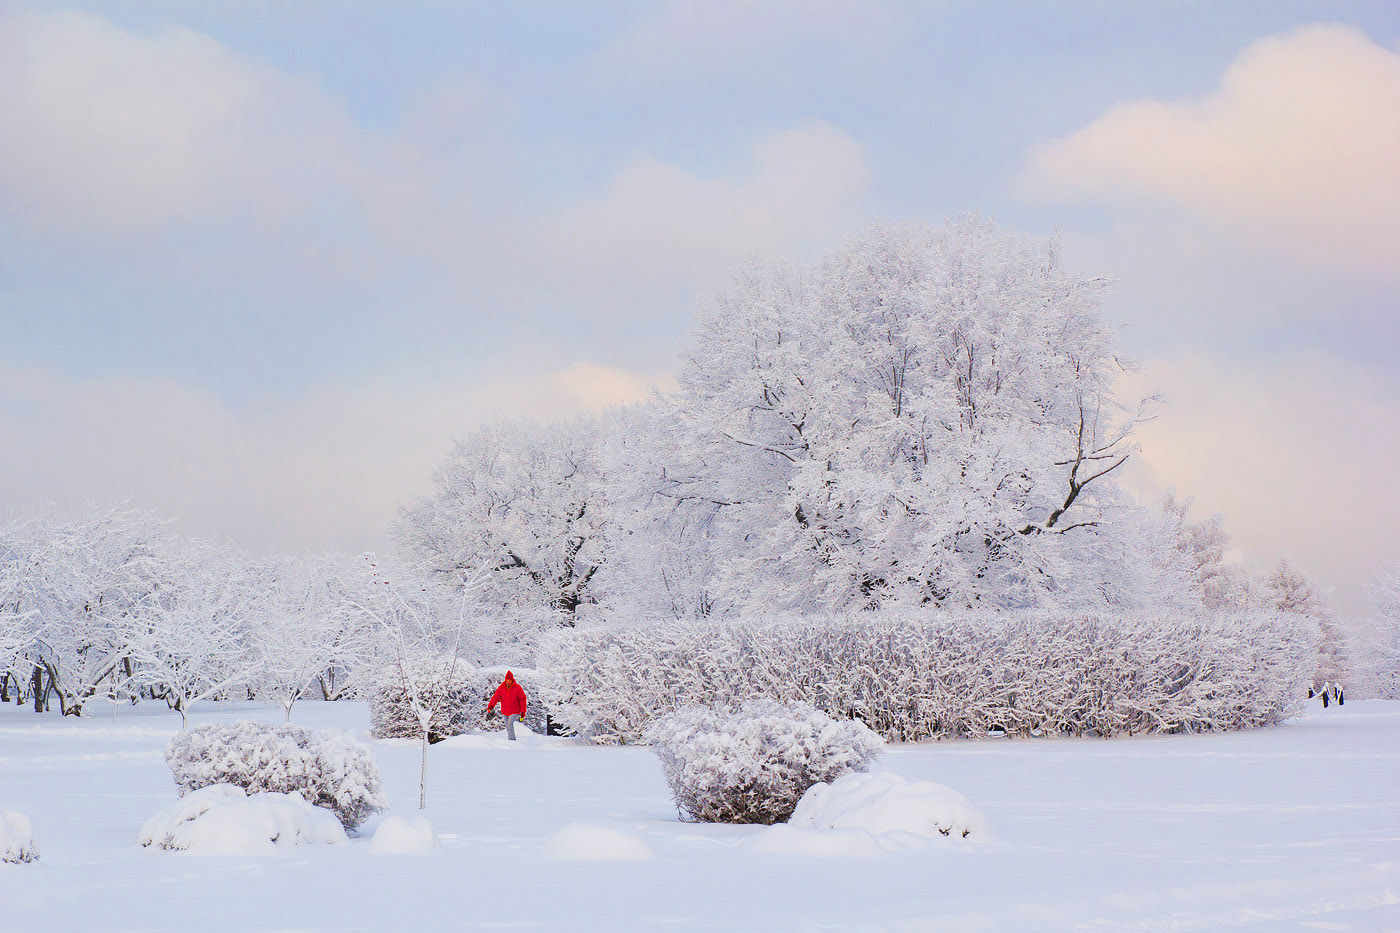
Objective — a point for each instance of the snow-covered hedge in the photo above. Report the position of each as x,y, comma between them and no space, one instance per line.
943,674
458,702
224,820
753,764
327,768
17,840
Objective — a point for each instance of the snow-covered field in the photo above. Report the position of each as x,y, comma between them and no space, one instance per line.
1295,827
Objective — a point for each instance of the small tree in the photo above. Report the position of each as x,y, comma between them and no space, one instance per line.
419,637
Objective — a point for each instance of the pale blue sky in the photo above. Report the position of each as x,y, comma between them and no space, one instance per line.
332,235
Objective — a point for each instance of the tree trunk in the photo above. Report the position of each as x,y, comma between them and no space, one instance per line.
423,775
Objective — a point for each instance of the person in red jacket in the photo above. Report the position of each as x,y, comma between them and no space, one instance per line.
512,700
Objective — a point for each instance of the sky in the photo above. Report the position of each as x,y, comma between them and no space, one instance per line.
260,262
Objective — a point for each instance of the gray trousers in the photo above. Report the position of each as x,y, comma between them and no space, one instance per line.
510,725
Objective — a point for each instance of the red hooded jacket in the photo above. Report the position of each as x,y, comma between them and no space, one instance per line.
510,696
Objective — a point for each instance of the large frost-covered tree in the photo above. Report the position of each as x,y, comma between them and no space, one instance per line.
925,418
524,502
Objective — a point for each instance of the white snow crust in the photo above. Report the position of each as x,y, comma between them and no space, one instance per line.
1286,828
883,802
589,842
403,835
17,840
223,819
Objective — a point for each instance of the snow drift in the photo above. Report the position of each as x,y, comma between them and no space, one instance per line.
403,835
888,803
225,820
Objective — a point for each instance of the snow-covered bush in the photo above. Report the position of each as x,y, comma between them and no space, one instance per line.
223,819
451,691
887,803
327,768
17,840
753,764
913,676
458,703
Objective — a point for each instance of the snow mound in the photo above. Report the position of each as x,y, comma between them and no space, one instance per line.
588,841
883,803
223,819
17,840
399,835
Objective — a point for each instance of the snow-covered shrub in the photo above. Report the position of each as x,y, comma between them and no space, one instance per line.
223,819
912,676
17,840
458,705
886,803
451,691
753,764
327,768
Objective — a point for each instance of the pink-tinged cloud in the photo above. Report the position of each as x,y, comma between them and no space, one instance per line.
1297,149
324,470
1299,454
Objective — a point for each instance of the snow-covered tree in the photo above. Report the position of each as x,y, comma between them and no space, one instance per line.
1383,651
77,582
1294,594
303,633
525,502
925,418
420,626
189,638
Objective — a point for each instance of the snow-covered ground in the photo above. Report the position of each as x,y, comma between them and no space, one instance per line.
1290,828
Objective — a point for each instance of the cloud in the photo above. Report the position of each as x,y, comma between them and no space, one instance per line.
327,469
111,130
709,37
164,160
658,224
1298,452
1298,149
